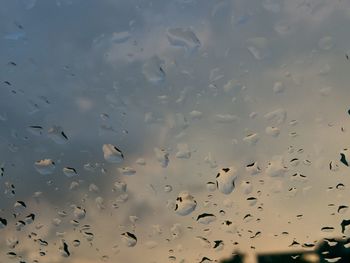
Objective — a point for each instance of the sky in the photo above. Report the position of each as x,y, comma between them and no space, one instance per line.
182,89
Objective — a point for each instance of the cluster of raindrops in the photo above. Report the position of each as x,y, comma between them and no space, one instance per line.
201,148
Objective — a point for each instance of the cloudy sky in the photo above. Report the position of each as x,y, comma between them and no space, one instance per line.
176,91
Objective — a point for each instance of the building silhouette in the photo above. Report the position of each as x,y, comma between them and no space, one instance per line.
335,250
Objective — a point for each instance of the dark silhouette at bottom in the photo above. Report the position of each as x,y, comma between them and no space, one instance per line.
335,250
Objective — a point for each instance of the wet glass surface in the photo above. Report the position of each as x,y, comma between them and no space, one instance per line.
173,131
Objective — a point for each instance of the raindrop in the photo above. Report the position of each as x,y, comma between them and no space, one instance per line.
45,166
56,134
162,157
272,131
64,249
153,70
276,167
206,218
112,154
129,239
69,172
344,157
3,222
127,170
185,204
168,188
183,37
225,180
